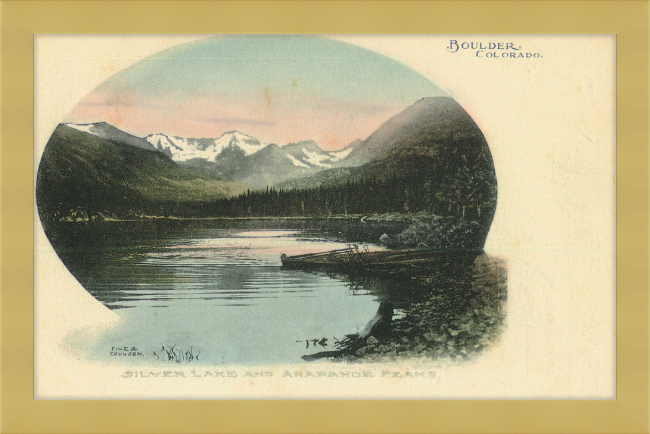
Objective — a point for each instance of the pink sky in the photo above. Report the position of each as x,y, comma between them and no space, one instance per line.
269,117
279,89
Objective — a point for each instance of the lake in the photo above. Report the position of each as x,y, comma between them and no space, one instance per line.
214,292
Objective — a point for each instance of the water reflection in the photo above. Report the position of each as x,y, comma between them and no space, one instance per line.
217,289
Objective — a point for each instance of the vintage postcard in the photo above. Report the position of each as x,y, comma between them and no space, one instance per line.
325,217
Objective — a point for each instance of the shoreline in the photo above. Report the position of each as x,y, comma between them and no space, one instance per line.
364,218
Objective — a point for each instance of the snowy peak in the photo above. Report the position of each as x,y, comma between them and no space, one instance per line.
233,156
342,154
161,141
305,154
109,132
184,149
85,128
308,154
248,144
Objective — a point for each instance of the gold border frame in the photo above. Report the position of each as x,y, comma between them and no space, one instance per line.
22,19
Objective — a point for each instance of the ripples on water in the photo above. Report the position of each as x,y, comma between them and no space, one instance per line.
220,290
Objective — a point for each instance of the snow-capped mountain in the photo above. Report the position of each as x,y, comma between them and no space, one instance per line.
236,156
308,154
233,156
343,153
270,165
305,154
185,149
109,132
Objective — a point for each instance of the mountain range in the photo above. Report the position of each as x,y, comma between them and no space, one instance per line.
182,149
233,156
430,157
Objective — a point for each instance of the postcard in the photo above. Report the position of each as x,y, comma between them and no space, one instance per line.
324,217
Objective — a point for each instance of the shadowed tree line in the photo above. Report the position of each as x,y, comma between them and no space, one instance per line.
365,196
447,178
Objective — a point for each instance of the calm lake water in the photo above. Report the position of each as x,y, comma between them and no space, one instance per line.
214,292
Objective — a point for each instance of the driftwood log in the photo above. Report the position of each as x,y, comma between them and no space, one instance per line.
378,327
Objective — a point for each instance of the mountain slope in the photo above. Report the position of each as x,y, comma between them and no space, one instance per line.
432,134
81,171
109,132
324,177
268,167
308,154
436,151
425,113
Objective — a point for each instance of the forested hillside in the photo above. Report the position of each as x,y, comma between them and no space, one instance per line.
83,176
431,158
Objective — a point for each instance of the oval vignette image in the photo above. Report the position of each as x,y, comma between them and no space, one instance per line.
271,200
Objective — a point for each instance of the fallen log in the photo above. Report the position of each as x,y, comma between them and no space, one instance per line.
346,260
378,327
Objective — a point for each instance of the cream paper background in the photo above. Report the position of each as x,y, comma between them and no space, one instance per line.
550,124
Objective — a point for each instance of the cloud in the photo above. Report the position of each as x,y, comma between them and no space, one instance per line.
243,121
118,104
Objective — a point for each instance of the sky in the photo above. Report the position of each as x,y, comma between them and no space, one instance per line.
279,89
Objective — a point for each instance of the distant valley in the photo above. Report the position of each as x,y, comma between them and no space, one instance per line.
429,158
